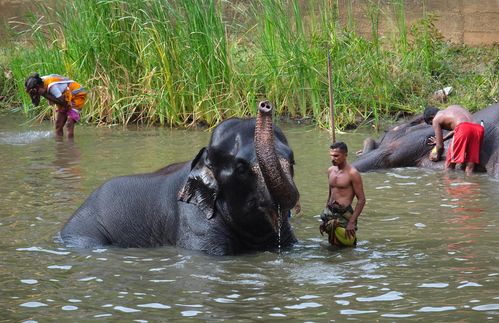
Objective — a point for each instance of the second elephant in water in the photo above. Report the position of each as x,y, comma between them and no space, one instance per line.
405,145
233,197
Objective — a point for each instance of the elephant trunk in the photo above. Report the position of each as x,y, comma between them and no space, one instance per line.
370,160
279,183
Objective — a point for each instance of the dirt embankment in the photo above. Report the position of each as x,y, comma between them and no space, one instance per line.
470,22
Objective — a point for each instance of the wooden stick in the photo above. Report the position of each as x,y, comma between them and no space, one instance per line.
331,97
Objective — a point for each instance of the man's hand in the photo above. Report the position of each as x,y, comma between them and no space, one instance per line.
431,141
322,228
297,208
35,99
434,156
350,230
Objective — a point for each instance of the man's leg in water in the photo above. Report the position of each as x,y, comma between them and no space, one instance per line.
450,166
70,124
60,120
469,168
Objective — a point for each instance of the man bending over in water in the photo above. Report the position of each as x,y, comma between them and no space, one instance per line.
339,219
67,95
467,141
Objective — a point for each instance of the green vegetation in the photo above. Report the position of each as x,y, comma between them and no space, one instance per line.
180,63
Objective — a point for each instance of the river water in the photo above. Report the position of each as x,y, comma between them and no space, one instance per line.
428,247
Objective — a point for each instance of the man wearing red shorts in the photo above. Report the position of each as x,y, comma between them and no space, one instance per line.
468,136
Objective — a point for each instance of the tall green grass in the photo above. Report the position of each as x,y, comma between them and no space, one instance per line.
180,63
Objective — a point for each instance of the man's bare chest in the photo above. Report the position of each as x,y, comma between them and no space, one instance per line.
340,180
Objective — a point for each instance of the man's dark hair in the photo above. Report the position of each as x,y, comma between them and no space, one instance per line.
429,113
340,145
33,81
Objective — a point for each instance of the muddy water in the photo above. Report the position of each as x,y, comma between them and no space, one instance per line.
427,250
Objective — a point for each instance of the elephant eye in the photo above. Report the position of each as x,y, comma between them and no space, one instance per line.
242,168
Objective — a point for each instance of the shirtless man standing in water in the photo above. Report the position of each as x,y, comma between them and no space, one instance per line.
467,141
339,219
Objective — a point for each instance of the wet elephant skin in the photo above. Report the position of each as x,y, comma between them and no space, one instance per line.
405,146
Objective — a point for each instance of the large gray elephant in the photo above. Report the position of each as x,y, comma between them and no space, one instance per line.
233,197
405,145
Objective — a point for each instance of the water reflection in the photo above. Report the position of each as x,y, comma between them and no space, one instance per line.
67,160
464,194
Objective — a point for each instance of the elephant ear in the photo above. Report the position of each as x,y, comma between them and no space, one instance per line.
201,186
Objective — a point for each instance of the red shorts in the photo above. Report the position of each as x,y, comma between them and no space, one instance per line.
465,146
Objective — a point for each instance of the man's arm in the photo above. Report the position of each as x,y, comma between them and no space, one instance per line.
322,226
59,101
432,141
329,185
439,142
55,95
358,190
448,135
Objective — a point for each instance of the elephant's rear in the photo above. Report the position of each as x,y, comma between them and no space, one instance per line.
82,230
126,212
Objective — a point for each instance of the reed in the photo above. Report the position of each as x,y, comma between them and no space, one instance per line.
181,63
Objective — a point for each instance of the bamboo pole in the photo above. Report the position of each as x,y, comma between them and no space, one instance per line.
331,97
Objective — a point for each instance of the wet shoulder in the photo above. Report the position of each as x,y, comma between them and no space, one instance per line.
353,171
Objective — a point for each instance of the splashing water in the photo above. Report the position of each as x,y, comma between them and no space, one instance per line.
23,138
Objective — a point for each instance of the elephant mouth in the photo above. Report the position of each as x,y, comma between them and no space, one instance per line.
273,218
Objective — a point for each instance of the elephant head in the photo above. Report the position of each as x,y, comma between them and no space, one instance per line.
245,176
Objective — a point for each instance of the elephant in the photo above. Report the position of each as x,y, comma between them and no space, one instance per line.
405,145
232,198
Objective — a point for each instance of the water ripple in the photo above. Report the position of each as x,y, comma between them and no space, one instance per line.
356,312
224,300
486,307
429,309
390,296
469,284
33,304
303,306
434,285
38,249
190,313
64,267
395,315
69,308
154,305
126,309
162,280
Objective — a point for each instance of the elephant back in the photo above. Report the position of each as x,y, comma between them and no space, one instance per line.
489,114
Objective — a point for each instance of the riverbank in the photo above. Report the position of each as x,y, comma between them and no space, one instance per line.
199,62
